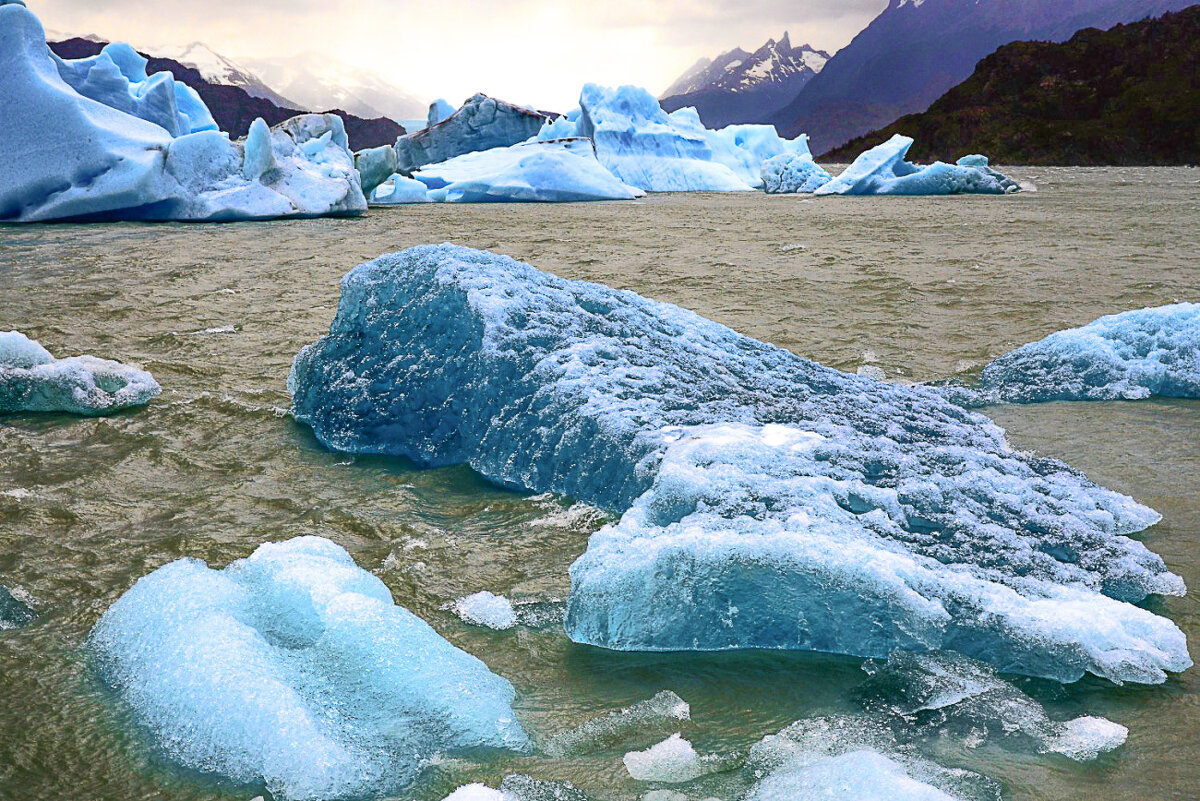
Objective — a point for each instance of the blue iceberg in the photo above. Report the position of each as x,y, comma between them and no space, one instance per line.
439,110
31,380
375,165
793,173
483,123
744,148
769,502
563,170
645,147
882,170
1126,356
294,669
399,190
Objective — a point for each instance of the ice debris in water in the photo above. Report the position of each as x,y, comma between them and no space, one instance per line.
654,714
882,170
947,692
564,170
14,611
673,761
848,759
1126,356
486,609
518,787
771,502
793,173
293,668
31,380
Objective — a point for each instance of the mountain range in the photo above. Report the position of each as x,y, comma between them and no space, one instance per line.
916,50
738,86
1127,96
315,81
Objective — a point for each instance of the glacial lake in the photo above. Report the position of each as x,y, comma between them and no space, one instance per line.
923,289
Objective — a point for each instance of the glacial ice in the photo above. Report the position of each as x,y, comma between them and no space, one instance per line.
769,502
1126,356
946,692
563,170
652,715
744,148
518,787
645,147
14,612
882,170
399,189
486,609
31,380
847,759
294,669
66,156
117,78
673,761
792,174
375,165
483,123
439,110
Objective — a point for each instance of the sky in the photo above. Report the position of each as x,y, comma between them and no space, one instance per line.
536,52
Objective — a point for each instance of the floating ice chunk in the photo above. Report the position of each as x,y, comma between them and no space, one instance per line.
853,776
1126,356
518,787
771,502
483,123
564,170
399,189
31,380
476,792
673,761
935,693
293,668
652,715
882,170
645,147
486,609
375,165
14,611
792,174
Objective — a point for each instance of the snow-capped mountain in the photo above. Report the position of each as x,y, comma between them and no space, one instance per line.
746,87
916,50
317,82
216,68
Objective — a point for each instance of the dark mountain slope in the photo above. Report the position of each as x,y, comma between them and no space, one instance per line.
1127,96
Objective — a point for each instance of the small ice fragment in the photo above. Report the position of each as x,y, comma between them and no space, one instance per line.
486,609
673,761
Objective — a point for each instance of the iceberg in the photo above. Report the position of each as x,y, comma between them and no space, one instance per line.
397,190
882,170
946,692
293,669
793,173
14,612
563,170
486,609
483,123
1126,356
439,110
67,156
375,165
645,147
743,148
31,380
769,502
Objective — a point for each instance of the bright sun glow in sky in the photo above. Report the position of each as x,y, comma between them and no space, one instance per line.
537,52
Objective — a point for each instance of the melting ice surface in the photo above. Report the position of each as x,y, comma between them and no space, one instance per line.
294,669
769,502
14,612
882,170
31,380
1135,354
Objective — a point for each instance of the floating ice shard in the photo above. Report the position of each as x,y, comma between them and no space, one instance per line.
399,189
771,502
645,147
14,612
936,693
882,170
1126,356
483,123
673,761
31,380
793,174
293,668
563,170
67,156
652,715
486,609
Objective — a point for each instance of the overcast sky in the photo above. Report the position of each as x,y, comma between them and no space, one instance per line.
529,51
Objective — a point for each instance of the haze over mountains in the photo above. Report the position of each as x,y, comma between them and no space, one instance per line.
314,80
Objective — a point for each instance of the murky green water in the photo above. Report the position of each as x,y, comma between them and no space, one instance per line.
920,287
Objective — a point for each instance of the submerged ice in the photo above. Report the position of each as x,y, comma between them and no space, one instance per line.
294,669
882,170
769,502
14,612
1126,356
31,380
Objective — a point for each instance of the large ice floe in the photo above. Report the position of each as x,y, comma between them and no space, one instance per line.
563,170
32,380
1126,356
769,502
294,669
645,147
95,140
483,123
882,170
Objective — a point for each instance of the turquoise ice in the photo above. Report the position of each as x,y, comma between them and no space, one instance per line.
882,170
